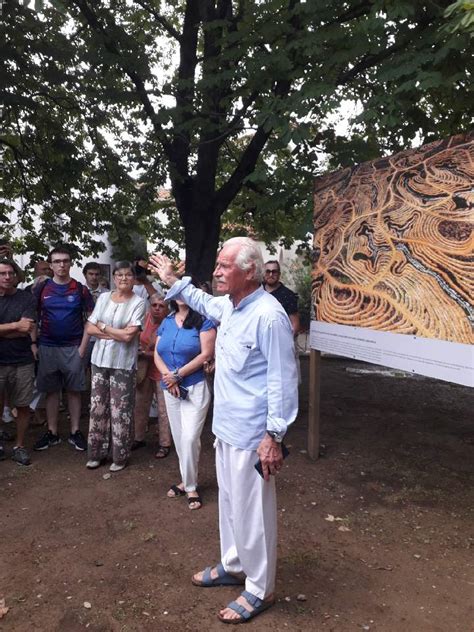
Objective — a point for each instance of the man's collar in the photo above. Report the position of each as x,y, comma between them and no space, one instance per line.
13,291
277,286
250,297
61,282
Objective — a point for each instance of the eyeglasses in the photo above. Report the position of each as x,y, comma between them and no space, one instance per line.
61,261
124,276
272,271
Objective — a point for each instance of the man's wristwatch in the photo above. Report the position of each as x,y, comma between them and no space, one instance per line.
102,327
275,436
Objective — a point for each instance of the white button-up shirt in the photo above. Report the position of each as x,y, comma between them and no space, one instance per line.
113,354
256,383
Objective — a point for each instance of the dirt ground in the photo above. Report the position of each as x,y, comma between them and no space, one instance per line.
375,535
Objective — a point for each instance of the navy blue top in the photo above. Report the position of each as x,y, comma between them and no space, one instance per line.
178,346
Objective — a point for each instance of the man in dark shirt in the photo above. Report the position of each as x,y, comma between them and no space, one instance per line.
283,294
17,352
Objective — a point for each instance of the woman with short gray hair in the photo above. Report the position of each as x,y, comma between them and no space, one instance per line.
116,323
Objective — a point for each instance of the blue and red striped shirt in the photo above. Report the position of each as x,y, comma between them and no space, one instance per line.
62,310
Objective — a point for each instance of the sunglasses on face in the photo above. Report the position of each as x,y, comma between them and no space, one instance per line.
272,271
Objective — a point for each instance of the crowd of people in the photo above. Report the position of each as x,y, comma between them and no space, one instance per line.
58,334
63,341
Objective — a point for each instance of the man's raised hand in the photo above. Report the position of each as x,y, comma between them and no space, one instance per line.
161,266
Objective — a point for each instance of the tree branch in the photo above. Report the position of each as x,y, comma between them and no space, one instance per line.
169,28
110,45
354,12
369,61
252,152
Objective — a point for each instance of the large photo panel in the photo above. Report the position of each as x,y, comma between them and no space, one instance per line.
393,253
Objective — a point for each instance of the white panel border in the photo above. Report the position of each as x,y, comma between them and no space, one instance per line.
448,361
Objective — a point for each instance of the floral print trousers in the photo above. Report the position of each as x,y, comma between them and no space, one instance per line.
111,416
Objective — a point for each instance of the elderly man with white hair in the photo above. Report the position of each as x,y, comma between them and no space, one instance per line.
255,400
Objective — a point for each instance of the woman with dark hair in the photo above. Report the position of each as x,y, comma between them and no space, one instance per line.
116,323
185,342
148,382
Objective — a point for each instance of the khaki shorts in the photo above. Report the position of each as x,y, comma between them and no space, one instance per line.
16,382
60,368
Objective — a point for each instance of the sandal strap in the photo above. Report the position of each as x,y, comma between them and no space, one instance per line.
206,575
194,499
240,610
252,600
177,490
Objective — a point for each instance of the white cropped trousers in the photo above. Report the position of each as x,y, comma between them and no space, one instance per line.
187,417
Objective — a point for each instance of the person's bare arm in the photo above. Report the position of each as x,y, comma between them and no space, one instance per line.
127,334
34,341
84,342
295,323
93,330
17,329
148,285
173,389
159,363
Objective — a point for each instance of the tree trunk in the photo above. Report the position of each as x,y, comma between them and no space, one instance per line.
201,231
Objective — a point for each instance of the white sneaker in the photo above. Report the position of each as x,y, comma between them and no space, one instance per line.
116,467
92,464
7,415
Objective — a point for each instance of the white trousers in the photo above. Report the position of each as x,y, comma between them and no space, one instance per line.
187,417
247,519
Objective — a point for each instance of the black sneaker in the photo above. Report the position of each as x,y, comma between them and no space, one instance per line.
78,441
47,440
20,455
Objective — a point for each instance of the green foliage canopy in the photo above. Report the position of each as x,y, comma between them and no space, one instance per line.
232,103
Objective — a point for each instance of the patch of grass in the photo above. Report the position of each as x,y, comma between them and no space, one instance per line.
129,525
301,558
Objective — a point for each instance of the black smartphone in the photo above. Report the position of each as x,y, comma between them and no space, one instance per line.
258,464
183,392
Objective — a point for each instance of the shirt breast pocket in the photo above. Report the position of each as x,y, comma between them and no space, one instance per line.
239,356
